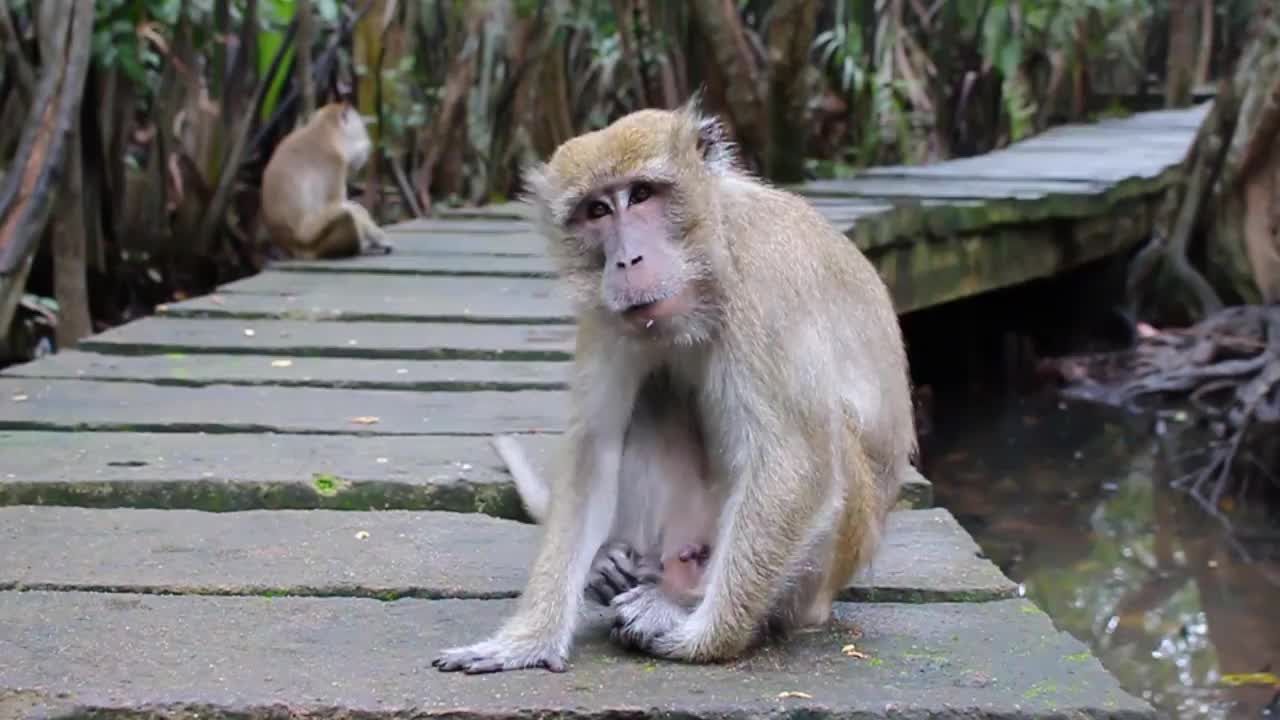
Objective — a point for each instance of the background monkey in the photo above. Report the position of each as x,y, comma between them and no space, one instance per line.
304,188
783,338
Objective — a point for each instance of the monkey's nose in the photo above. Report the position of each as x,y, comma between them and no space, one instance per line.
622,264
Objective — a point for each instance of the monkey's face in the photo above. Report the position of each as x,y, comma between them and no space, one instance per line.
355,137
627,235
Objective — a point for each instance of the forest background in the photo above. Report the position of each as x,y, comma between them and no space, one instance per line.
133,133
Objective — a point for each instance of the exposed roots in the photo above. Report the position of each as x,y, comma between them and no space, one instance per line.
1223,371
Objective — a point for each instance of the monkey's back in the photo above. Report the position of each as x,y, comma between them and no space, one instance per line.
778,240
305,173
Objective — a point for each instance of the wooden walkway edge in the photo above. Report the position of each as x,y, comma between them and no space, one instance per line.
280,498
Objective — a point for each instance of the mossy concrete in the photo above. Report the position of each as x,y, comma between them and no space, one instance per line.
926,556
239,471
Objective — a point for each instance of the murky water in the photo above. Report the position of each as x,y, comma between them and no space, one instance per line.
1073,501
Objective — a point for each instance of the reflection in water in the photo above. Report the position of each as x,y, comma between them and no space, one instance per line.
1073,502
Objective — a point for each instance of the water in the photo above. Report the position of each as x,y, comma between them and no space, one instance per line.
1073,502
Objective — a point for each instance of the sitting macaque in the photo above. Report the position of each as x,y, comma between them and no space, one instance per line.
734,350
304,189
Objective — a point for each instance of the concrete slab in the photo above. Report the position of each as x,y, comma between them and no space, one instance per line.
72,405
317,296
337,339
244,471
926,556
72,654
200,370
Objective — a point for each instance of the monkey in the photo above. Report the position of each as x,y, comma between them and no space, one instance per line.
304,188
670,545
681,264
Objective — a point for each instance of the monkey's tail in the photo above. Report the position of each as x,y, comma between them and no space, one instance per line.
533,491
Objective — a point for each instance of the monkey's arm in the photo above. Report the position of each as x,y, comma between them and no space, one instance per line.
581,514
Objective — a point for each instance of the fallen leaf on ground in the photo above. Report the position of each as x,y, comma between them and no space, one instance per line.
362,535
20,398
364,420
794,694
249,332
853,652
281,363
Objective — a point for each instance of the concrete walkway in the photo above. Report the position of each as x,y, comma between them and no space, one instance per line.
279,499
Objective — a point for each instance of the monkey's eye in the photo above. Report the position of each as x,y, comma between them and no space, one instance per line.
597,210
640,193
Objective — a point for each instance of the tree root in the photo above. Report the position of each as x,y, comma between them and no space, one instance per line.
1224,371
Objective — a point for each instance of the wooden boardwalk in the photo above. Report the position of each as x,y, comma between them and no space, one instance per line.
373,383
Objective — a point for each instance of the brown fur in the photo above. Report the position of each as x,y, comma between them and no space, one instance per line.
304,189
786,338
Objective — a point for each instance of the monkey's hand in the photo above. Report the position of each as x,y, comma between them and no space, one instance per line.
502,653
647,620
619,568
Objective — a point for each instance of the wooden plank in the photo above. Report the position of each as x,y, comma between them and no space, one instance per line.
432,289
319,296
433,264
1103,168
899,188
460,226
124,655
515,244
289,371
925,557
71,405
239,471
294,338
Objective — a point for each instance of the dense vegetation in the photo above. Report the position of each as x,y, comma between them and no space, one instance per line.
137,130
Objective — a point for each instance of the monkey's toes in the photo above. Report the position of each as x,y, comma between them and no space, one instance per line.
486,658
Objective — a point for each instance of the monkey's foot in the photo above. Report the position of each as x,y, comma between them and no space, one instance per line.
498,654
619,568
647,619
378,244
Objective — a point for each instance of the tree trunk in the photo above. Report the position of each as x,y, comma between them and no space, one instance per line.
1180,64
1233,186
306,38
70,274
26,196
1244,252
790,35
720,24
453,107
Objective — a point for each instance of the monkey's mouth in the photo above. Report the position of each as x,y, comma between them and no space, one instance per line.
646,314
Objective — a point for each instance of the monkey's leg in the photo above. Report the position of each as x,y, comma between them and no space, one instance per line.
339,230
373,239
855,540
582,511
667,512
781,514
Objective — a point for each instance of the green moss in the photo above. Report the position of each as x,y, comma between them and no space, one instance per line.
1080,657
326,484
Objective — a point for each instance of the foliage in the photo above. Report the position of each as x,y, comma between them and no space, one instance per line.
459,95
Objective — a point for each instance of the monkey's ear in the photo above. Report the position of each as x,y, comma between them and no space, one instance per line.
711,139
539,191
